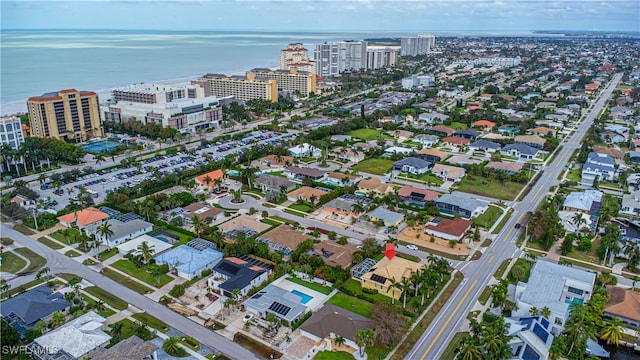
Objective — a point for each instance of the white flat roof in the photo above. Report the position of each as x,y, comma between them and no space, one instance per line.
131,245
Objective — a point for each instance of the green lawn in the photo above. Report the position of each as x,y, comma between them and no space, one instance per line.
374,166
60,235
128,329
6,241
72,253
351,303
589,256
489,217
151,321
377,352
408,257
354,287
50,243
91,303
489,187
457,126
333,355
23,229
107,254
12,263
305,208
69,277
451,350
428,177
311,285
365,134
36,260
142,273
293,212
128,282
109,299
503,222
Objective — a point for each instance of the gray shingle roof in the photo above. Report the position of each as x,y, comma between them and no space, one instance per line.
485,144
467,203
412,161
34,305
524,149
386,215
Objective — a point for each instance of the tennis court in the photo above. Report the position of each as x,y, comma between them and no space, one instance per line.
100,146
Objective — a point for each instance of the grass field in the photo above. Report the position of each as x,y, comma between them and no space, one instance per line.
489,187
50,243
152,322
333,355
365,134
68,277
311,285
72,253
503,222
23,229
301,207
6,241
429,178
36,260
352,304
458,126
128,282
142,273
354,287
374,166
12,263
107,254
489,217
109,299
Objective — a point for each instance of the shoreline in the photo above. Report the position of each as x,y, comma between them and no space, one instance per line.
17,107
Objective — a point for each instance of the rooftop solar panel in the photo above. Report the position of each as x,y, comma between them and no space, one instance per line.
379,279
279,308
540,332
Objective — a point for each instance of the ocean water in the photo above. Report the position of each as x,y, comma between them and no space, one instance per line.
37,61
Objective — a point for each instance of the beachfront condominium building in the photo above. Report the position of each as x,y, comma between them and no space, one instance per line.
186,115
11,131
417,45
333,58
69,115
382,57
241,87
156,94
289,81
296,56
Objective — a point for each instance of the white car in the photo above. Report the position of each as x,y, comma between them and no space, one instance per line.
412,247
247,317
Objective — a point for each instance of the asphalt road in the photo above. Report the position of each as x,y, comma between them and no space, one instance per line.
478,273
59,263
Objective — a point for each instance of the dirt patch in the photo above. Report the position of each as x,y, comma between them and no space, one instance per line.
198,295
410,235
182,310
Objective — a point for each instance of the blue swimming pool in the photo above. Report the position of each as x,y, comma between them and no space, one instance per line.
101,146
305,298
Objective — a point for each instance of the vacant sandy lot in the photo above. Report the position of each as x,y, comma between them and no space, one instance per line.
410,235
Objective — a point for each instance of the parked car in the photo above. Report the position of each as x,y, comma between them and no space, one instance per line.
412,247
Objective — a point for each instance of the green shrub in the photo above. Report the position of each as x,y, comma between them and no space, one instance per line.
177,290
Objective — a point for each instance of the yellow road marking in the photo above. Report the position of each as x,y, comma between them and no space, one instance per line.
449,319
510,231
490,260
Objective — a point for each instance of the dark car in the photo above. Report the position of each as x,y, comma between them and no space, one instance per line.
518,226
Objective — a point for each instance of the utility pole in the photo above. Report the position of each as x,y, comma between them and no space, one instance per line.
35,220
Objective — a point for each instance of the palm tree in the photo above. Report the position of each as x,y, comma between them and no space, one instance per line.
116,330
578,220
416,280
392,286
198,225
235,295
145,252
365,338
313,199
171,345
579,326
469,349
148,209
57,319
218,238
632,251
339,340
248,174
217,183
533,311
405,286
105,232
157,272
208,180
546,312
612,331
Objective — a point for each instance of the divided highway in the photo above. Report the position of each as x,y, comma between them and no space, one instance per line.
478,273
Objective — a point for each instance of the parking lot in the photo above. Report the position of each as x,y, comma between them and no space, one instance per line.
102,182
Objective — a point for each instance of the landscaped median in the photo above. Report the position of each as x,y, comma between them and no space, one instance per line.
50,243
126,281
109,299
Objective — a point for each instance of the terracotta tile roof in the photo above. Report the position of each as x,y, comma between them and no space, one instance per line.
215,174
341,176
530,139
409,189
515,167
397,268
456,140
374,184
442,129
484,123
453,172
273,160
614,153
285,235
338,255
542,130
433,152
85,217
456,227
623,303
305,192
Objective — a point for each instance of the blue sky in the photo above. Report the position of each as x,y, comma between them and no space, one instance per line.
434,16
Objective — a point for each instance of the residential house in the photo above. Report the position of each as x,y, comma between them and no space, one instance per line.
485,146
485,97
547,105
385,216
346,154
203,211
465,206
521,152
412,165
22,201
456,142
599,166
386,272
634,157
587,202
631,203
305,150
131,247
395,150
433,155
508,167
448,229
306,193
300,173
23,311
332,321
467,134
508,129
83,218
556,287
283,239
416,196
542,131
277,161
340,179
616,154
191,259
484,125
427,141
132,348
534,141
242,273
623,304
403,135
207,182
530,337
433,117
271,183
246,224
341,138
375,186
72,340
335,254
347,205
275,300
621,113
441,130
124,228
448,173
